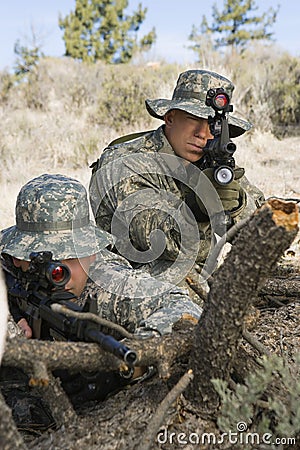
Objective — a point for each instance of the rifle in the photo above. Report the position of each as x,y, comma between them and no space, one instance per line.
218,153
46,279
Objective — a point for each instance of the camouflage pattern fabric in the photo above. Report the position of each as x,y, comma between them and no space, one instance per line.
134,184
13,329
52,212
132,298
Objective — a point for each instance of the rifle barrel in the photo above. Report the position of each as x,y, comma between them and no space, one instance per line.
111,345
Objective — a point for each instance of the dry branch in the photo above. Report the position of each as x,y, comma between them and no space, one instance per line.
282,287
33,356
9,435
254,253
57,307
38,358
157,420
61,408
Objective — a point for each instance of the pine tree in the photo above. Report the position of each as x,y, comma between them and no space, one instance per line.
27,59
236,25
100,30
28,55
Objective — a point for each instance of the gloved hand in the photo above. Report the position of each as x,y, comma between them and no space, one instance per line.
231,195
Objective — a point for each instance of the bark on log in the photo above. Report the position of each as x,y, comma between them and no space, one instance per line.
37,357
282,287
216,337
255,251
10,438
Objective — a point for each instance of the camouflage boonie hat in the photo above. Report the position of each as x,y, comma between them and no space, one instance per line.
190,94
52,214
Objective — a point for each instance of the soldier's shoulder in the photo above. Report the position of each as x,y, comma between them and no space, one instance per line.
146,142
138,142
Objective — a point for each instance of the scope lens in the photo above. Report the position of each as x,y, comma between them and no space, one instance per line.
58,274
231,148
221,101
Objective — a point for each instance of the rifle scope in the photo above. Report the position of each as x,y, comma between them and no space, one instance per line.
56,273
219,100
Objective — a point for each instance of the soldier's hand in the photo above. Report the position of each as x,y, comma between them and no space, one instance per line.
23,324
231,194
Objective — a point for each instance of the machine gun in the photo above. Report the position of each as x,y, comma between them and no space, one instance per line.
45,283
218,153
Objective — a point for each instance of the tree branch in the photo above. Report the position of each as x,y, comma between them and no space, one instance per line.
254,253
149,435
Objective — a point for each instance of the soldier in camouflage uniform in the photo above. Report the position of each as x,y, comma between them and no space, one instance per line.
52,214
154,181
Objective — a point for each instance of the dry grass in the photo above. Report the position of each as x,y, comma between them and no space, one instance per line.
270,163
65,134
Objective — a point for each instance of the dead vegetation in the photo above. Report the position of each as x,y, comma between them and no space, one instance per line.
55,125
181,399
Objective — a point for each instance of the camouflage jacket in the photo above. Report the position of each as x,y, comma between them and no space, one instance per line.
130,298
149,188
133,299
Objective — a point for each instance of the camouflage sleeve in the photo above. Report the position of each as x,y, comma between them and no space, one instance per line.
254,198
135,201
156,209
137,301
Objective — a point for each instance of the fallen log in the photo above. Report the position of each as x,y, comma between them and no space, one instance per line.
37,358
254,253
282,287
213,344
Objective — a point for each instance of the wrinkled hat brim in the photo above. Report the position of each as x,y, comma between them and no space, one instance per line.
159,107
76,243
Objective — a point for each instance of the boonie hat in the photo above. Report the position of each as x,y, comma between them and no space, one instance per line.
52,214
190,94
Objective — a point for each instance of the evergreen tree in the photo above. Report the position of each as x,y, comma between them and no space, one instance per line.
100,30
236,25
28,55
27,59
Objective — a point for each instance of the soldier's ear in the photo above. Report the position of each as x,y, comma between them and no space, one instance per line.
169,117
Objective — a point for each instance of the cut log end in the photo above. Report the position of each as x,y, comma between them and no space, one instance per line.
285,214
38,382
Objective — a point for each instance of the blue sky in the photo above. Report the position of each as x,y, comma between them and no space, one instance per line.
173,24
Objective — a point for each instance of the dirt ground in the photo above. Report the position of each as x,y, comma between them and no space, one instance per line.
119,422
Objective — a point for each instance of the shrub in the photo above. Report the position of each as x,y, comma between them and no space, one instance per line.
280,417
121,103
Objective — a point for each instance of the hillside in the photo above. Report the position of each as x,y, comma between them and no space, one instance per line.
59,121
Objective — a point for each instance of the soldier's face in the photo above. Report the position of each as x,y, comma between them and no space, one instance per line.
79,269
187,134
